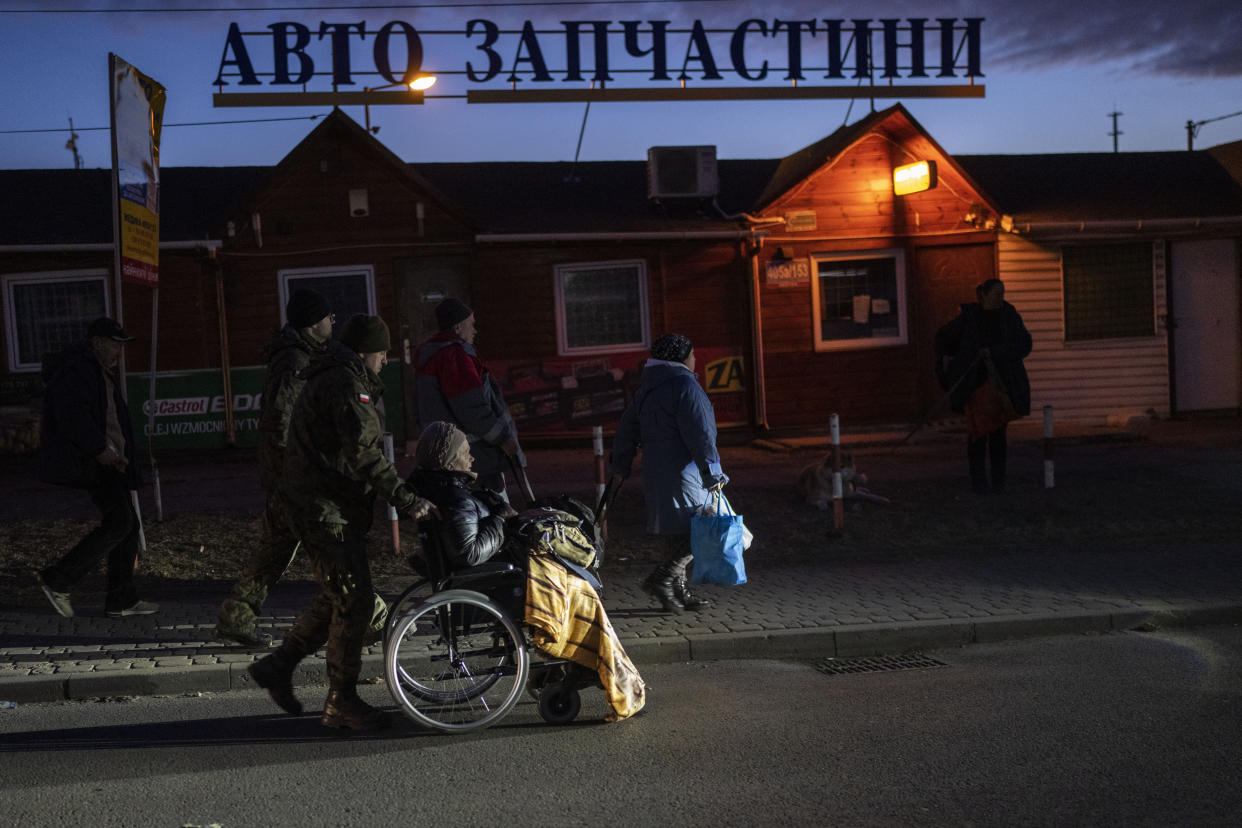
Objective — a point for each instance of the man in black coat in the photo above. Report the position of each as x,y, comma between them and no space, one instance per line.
979,361
87,442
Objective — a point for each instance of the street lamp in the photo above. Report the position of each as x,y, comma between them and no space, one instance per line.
419,84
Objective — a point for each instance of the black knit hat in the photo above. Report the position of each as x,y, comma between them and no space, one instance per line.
672,348
366,334
306,307
450,312
108,329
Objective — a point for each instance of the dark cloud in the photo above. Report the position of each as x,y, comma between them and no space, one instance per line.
1181,39
1186,38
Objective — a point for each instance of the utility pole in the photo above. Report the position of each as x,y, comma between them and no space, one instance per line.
1115,132
1192,127
72,144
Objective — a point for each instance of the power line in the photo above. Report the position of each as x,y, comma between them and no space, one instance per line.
188,123
351,6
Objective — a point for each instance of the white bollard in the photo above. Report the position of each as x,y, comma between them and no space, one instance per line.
838,493
597,433
1049,473
392,510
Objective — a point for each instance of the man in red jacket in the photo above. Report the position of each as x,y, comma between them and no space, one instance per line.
453,386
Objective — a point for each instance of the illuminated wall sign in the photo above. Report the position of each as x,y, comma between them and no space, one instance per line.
914,178
600,52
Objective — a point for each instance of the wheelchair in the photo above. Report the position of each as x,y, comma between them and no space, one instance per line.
457,653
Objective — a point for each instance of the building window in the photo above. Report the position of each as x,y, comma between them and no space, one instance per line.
1109,291
349,290
45,312
601,307
859,299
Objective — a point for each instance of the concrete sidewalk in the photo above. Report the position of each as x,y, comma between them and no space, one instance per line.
835,610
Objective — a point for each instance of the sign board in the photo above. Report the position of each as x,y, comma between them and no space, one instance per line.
188,412
657,61
784,272
137,107
566,395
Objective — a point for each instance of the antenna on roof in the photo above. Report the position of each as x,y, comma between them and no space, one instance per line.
1115,132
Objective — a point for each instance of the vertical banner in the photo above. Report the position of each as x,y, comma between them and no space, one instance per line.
137,108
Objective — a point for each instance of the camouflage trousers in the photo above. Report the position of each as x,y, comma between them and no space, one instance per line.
344,611
277,548
266,564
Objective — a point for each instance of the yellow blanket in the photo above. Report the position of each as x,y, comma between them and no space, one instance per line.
569,622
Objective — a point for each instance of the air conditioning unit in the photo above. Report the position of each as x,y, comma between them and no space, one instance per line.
681,172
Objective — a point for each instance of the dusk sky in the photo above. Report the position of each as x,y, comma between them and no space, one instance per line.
1053,71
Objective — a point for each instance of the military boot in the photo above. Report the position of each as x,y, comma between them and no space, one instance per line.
691,602
274,673
661,584
345,709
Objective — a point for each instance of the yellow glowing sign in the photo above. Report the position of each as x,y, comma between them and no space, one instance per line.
914,178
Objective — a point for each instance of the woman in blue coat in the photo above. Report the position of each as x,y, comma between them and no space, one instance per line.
671,420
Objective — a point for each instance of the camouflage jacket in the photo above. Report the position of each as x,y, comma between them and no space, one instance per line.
289,352
334,461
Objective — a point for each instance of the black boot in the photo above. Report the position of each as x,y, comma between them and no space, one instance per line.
274,673
344,709
660,584
690,602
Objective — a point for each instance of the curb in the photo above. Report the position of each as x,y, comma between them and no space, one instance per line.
813,642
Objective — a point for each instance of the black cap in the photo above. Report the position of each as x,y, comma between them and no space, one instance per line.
450,312
306,307
366,334
109,329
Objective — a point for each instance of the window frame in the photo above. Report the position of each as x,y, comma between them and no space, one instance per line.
11,280
1152,278
563,347
898,255
285,276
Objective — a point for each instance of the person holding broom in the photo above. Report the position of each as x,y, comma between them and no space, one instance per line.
979,362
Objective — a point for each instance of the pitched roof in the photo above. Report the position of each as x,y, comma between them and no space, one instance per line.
1102,186
66,207
589,197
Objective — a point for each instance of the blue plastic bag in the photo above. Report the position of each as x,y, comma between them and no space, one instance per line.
717,539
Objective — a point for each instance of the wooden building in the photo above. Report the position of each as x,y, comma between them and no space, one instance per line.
808,286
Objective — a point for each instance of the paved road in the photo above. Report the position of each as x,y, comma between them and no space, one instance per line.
1116,729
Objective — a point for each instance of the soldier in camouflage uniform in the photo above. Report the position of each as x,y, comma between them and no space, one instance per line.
334,468
309,326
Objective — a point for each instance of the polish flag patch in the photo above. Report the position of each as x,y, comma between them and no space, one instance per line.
366,398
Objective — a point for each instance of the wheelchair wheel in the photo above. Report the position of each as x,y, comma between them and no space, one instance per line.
456,662
415,594
559,703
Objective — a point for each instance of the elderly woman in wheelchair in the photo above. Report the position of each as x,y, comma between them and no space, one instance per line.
458,653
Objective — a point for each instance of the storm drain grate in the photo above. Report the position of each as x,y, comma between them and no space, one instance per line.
877,664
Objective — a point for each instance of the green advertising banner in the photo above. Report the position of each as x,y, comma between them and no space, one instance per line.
190,412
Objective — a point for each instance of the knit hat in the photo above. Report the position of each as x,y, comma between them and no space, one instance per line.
438,446
450,312
366,334
306,307
672,348
108,329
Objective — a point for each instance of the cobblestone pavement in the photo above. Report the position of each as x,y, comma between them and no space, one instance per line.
832,609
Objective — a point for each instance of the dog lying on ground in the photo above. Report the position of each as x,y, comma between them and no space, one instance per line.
815,483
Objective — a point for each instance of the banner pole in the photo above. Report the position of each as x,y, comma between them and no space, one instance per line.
155,467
